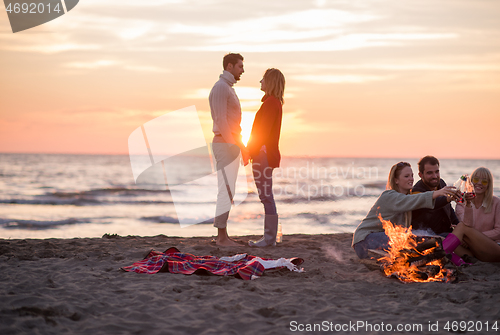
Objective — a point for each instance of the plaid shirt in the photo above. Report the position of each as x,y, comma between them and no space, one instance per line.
174,261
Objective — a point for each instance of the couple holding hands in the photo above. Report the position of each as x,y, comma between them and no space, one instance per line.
262,148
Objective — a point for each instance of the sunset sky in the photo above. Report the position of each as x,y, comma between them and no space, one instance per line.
374,78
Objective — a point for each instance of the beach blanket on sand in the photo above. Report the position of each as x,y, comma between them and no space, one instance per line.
242,266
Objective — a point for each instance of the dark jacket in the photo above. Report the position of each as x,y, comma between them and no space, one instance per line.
440,218
266,130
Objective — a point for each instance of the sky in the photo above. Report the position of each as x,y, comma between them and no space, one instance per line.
374,78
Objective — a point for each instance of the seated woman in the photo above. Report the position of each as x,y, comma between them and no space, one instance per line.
479,245
395,204
483,211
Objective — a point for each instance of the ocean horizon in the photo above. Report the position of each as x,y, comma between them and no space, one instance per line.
82,195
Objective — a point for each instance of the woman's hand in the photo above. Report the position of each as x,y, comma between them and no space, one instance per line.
468,196
448,191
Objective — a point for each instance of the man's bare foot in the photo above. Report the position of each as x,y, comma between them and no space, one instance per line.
225,241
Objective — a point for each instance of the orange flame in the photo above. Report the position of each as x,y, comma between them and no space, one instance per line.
396,263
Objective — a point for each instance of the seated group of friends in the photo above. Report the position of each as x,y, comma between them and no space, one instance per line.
472,229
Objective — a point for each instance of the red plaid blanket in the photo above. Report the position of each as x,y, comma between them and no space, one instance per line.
174,261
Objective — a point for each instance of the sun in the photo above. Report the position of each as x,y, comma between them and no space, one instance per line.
246,126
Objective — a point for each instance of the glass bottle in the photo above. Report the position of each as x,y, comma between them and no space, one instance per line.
279,235
464,185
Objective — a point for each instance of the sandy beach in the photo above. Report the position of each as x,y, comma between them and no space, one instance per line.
75,286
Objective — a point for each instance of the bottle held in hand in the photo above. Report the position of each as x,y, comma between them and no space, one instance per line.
469,188
464,185
460,186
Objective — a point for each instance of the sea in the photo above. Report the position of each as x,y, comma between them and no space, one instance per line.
70,196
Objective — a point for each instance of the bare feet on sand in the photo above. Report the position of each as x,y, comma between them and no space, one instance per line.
223,239
227,242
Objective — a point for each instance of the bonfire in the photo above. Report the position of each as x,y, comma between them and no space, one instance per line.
412,260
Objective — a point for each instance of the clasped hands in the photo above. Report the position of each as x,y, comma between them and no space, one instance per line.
245,155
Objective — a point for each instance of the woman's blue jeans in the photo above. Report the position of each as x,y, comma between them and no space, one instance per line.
377,241
263,176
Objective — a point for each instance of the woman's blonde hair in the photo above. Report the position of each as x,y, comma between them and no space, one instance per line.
275,84
391,185
394,174
484,173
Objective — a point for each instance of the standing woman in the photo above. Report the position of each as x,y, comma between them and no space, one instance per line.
263,147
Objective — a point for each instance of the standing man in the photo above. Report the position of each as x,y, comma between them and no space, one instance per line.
442,216
227,145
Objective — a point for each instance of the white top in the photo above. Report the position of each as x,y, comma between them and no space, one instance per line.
225,109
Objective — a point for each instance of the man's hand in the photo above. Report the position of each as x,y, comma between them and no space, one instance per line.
457,196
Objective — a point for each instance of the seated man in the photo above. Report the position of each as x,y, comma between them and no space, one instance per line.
440,218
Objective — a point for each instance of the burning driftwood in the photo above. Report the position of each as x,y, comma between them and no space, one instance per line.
410,260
